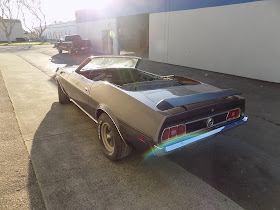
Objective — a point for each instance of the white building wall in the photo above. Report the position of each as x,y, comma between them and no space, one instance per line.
241,39
58,30
17,32
93,31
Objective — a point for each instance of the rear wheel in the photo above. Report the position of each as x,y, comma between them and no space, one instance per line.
60,51
62,97
110,141
70,52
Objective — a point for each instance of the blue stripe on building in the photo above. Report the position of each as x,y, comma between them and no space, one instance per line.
119,8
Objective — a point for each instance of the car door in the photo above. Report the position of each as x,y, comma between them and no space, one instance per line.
78,89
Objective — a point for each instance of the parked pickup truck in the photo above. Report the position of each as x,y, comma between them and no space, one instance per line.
73,44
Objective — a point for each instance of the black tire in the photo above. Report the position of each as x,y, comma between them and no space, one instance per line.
62,97
118,149
60,51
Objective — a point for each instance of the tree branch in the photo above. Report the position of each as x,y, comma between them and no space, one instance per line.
7,7
34,7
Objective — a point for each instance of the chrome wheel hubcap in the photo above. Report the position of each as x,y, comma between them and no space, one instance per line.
107,137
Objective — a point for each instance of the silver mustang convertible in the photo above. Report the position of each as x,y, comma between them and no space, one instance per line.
147,112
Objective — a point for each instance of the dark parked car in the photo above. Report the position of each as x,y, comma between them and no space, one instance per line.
73,44
135,108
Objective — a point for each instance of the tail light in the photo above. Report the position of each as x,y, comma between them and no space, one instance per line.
181,130
233,114
172,132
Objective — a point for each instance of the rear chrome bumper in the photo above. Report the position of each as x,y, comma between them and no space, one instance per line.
189,139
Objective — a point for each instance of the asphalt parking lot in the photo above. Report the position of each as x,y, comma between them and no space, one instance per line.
237,169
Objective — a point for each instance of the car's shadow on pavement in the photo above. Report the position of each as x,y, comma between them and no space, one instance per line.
73,173
70,60
64,58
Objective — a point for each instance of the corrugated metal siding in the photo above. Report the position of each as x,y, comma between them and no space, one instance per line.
56,31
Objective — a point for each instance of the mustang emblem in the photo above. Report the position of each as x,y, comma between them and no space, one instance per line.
209,122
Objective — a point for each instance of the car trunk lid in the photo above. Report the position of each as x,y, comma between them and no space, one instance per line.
180,95
192,105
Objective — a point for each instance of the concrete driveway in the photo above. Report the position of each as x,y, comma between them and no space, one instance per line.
238,168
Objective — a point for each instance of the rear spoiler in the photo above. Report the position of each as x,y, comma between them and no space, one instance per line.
195,98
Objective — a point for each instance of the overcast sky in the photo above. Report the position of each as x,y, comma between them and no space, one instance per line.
64,10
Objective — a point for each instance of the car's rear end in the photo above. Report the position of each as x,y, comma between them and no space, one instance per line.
86,45
75,44
200,116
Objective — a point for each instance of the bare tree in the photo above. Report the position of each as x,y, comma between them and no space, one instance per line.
39,17
8,8
24,20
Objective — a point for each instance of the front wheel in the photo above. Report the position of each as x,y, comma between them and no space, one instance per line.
62,97
59,51
110,141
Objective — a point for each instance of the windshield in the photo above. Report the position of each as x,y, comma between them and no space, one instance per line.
73,38
111,62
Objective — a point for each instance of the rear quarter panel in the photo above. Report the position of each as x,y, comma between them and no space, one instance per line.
61,78
133,116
